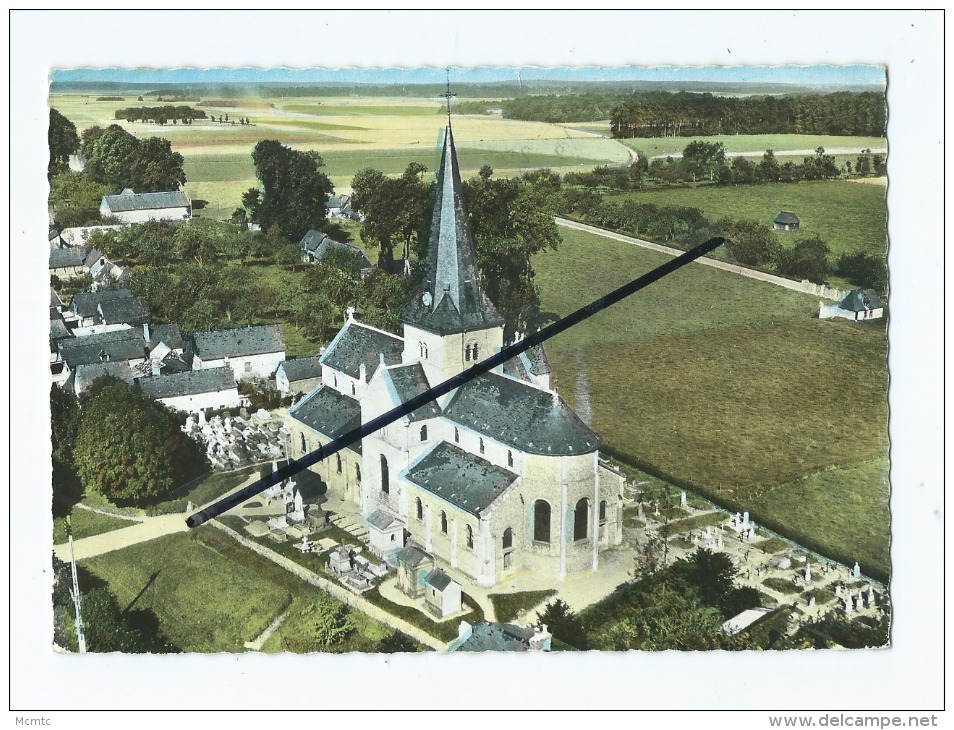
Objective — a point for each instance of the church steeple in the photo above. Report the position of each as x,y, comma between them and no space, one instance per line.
451,299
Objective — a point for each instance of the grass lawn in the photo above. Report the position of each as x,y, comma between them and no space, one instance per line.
204,599
205,490
87,524
508,605
857,529
693,523
781,585
848,216
729,385
772,545
295,632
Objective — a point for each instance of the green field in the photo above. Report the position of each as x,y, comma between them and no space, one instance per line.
660,146
87,524
725,383
849,216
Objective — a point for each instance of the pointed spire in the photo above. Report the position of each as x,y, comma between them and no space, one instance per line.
451,299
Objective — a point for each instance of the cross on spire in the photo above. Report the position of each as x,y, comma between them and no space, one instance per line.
448,95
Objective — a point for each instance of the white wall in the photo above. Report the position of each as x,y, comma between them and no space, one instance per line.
244,368
142,216
192,403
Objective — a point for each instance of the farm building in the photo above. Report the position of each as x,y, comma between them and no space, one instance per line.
251,352
858,304
315,246
108,306
72,262
786,220
300,375
339,206
193,390
84,376
124,345
499,476
132,207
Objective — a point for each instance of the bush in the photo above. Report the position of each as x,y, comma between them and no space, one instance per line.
864,270
807,260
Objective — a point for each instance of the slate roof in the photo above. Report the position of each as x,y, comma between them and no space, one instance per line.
329,413
487,636
338,201
410,555
302,368
168,333
410,381
457,302
318,244
255,340
356,344
61,258
786,218
119,346
861,300
464,480
529,419
55,299
192,382
534,361
127,310
85,303
438,579
58,329
146,201
84,375
381,519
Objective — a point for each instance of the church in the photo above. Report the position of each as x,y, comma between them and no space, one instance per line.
497,477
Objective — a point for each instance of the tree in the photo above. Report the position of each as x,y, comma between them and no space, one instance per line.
155,168
63,142
64,419
808,259
703,158
769,170
864,270
70,189
109,155
129,448
294,192
753,243
395,210
563,624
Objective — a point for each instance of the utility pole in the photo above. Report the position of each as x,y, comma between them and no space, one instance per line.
75,592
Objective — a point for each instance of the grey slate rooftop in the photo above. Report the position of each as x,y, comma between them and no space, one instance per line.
302,368
438,579
329,413
381,519
786,218
85,303
529,419
861,300
318,245
118,346
464,480
497,637
64,257
167,333
190,382
410,555
356,344
255,340
85,375
127,310
409,382
451,283
146,201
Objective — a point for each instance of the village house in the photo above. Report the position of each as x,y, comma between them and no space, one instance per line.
301,375
488,636
315,246
193,390
71,263
84,376
119,346
785,220
858,305
339,206
79,236
132,207
500,476
251,352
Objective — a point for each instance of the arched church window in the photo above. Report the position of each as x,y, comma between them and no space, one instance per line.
603,512
352,389
385,476
481,446
419,506
476,352
338,462
423,433
302,437
357,472
508,539
443,522
423,350
581,519
541,521
509,457
456,436
469,533
335,379
467,353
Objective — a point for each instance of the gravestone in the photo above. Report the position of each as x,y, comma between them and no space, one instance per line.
848,607
856,571
784,564
682,500
808,572
745,519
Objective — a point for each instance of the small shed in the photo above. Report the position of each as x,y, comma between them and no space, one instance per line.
385,533
785,220
441,594
858,305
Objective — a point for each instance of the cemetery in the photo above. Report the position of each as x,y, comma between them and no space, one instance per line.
235,441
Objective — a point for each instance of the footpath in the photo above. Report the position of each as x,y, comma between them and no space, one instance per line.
805,287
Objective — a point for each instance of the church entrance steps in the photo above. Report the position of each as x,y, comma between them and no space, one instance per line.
351,525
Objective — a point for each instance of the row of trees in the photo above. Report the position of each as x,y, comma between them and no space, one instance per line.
754,244
660,114
160,114
707,161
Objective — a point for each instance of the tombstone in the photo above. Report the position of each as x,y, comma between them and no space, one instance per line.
228,423
719,540
737,518
190,423
750,535
811,602
856,571
838,590
745,519
657,509
639,510
871,595
201,417
808,572
848,607
784,564
682,500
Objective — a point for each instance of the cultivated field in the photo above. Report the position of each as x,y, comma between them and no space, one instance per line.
729,384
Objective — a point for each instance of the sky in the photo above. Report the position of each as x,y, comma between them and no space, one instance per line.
806,75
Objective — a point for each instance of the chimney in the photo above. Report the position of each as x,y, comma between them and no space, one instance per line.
145,331
156,366
541,639
362,373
